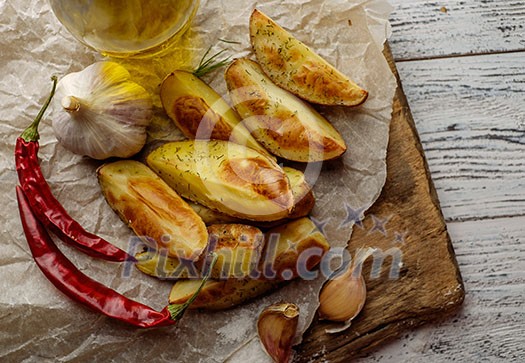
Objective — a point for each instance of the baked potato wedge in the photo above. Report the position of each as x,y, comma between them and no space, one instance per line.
287,248
295,67
220,294
238,248
286,125
210,216
224,176
303,196
287,245
201,113
152,209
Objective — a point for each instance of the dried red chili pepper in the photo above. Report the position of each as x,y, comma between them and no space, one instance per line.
47,208
83,289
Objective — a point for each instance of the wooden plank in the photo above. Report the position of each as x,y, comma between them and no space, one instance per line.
489,327
421,281
470,116
423,30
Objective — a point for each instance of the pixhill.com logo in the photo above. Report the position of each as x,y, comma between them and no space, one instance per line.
308,263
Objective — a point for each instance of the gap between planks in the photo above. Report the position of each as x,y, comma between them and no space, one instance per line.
465,55
452,221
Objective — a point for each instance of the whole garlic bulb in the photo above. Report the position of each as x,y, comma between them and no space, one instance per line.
102,112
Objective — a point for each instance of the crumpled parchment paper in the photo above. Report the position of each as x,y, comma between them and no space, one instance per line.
38,322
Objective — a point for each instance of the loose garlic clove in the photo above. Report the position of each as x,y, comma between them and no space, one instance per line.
276,326
101,113
342,298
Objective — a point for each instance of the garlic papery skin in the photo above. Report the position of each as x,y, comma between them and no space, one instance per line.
277,326
343,297
101,113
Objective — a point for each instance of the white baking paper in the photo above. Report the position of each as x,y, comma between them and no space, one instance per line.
38,323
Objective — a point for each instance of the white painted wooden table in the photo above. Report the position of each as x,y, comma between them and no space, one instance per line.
462,64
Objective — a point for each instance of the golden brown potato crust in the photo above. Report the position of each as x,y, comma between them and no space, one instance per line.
152,209
284,124
197,120
226,177
295,67
293,239
200,112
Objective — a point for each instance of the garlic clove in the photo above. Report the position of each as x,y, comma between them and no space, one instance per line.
276,326
101,112
342,298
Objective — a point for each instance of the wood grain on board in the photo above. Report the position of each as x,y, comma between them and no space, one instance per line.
470,116
428,29
469,111
407,226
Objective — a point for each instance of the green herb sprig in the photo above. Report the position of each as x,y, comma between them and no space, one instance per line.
208,63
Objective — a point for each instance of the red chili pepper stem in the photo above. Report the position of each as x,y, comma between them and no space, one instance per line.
31,133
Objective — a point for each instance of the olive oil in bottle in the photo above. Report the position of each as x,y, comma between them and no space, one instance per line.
123,28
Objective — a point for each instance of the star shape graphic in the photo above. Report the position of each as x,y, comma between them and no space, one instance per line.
321,224
379,224
292,246
353,216
400,237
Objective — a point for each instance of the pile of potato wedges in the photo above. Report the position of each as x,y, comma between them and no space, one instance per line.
223,190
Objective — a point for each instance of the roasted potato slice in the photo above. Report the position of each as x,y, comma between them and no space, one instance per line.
287,245
238,248
152,209
211,216
224,176
201,113
303,195
295,67
286,125
219,294
154,262
287,248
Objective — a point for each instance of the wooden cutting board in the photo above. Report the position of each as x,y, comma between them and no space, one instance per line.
405,221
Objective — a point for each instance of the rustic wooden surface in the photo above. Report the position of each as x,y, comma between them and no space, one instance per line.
407,221
463,74
428,29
